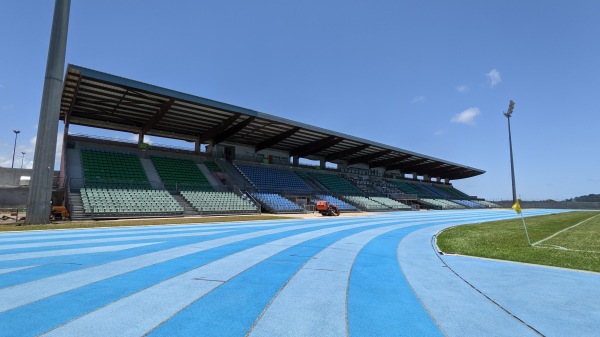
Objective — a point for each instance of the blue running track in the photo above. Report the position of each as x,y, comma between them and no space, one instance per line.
347,276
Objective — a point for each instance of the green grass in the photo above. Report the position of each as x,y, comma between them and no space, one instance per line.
138,222
576,248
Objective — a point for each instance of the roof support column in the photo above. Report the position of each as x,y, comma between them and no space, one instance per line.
197,146
141,137
63,153
40,189
323,164
211,149
296,160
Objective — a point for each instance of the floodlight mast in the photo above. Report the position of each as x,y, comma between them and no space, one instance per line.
40,188
508,114
15,147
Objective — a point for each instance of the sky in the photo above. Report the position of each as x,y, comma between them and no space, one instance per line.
433,77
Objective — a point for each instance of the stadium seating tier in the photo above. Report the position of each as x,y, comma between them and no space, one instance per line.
124,202
113,169
180,174
271,179
218,202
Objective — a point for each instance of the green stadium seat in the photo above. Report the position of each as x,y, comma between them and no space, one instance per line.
180,174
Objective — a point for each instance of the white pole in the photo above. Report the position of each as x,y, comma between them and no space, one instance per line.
525,226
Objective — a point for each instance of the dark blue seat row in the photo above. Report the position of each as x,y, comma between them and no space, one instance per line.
270,179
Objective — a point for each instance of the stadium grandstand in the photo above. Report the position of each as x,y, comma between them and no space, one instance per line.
242,161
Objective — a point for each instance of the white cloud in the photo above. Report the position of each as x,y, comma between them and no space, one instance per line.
439,133
463,89
30,150
418,99
467,116
147,139
8,106
494,77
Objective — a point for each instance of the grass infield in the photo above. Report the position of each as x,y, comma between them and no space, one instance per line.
575,248
138,222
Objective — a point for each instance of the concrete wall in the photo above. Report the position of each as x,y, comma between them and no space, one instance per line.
74,170
275,153
14,197
10,177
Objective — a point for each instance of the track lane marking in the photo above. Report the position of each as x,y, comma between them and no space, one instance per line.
142,312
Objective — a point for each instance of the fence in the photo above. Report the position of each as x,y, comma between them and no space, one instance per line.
551,204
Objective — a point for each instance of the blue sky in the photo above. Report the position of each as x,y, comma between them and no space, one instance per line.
428,76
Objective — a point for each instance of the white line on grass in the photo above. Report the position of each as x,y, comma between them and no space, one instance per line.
563,230
567,249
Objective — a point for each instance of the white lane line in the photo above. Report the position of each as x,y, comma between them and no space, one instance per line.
141,312
313,303
21,294
563,230
120,231
66,252
107,240
10,270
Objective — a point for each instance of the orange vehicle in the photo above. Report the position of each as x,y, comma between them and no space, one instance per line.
327,209
59,213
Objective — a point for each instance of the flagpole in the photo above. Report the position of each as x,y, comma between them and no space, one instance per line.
525,226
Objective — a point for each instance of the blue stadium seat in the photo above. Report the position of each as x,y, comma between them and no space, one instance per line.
271,179
277,203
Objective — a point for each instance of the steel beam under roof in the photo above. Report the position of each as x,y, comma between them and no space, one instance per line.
276,139
97,99
388,162
214,131
368,157
315,146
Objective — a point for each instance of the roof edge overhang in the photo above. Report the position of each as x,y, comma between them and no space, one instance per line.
465,171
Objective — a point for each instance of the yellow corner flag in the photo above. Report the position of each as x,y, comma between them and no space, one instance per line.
517,207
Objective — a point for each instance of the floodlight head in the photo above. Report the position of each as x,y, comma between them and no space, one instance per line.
511,106
16,131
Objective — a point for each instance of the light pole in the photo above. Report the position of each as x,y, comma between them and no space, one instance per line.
40,187
508,114
15,147
22,158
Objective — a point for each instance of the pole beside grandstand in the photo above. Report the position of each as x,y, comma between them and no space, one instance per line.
40,190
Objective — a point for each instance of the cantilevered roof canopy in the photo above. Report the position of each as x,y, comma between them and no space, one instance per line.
96,99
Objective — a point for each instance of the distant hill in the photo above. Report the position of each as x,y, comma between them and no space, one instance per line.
587,198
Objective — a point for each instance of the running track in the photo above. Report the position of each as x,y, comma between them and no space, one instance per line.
346,276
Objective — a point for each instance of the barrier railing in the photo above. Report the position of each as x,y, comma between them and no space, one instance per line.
116,212
78,183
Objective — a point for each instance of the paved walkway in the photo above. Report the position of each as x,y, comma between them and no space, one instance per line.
359,276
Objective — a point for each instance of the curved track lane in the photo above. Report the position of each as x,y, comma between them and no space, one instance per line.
355,276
